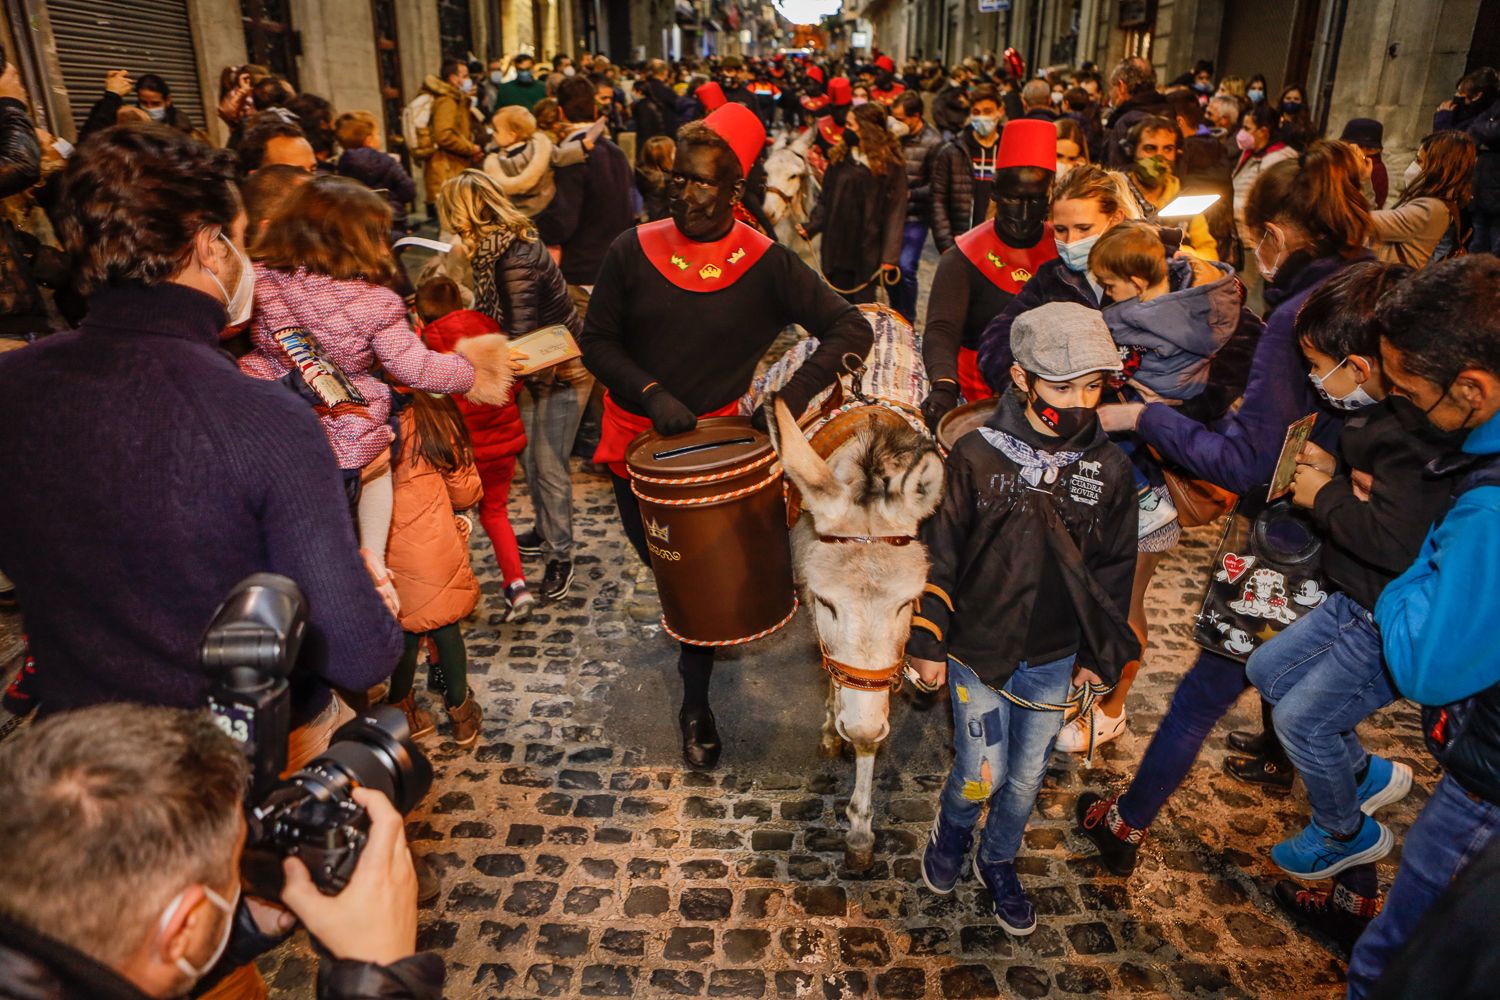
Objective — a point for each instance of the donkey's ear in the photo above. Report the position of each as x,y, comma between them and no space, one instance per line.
802,464
922,489
803,143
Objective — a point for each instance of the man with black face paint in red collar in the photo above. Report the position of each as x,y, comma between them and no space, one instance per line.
683,310
987,266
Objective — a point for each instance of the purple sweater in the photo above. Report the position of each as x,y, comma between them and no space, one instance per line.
141,477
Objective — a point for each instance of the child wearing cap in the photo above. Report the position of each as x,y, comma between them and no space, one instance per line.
1033,553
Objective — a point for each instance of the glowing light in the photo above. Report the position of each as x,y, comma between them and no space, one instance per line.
807,11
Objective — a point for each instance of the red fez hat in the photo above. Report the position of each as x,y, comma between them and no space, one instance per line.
816,73
738,126
886,63
839,90
1027,142
711,96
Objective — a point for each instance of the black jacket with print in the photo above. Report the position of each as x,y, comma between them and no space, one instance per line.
997,539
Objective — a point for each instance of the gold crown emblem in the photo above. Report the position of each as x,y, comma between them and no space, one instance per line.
708,271
661,531
1020,274
994,258
681,264
735,257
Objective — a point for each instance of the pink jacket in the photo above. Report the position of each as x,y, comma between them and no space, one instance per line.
360,325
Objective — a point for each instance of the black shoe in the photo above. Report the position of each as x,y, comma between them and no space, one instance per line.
1320,910
1253,744
429,883
530,544
1268,772
1116,852
557,579
700,738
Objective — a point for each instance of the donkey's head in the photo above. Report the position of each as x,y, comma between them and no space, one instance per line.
787,178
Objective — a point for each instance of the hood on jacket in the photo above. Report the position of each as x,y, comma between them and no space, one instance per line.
438,87
1180,331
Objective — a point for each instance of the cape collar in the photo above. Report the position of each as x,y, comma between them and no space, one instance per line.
700,267
830,130
1007,267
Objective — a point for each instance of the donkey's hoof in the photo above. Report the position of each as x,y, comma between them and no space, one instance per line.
857,860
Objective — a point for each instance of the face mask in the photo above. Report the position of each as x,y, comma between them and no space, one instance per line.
496,76
1066,421
1412,172
851,137
569,71
1152,171
1203,87
1063,168
240,304
857,101
466,84
1291,107
898,128
1414,421
227,907
1356,400
1075,255
1268,270
1256,95
1244,140
1057,97
982,125
156,114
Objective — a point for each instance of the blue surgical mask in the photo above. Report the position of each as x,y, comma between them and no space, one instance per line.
982,125
1256,94
524,76
1075,255
1356,400
496,76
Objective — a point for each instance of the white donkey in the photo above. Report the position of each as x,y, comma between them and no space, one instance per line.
864,570
791,192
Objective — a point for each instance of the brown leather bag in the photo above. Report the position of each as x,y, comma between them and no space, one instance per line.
1198,501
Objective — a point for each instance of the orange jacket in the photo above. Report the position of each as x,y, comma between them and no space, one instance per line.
427,554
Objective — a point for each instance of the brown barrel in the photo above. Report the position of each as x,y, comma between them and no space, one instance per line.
963,419
711,503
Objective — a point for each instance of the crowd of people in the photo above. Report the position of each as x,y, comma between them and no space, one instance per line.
283,390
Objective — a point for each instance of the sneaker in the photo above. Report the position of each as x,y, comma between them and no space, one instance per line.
1013,909
1336,913
522,603
1317,854
1075,736
530,544
1099,820
943,859
1154,511
1385,782
1267,771
557,580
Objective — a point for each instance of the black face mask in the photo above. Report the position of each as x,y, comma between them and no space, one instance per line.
1413,420
1291,107
1067,421
851,137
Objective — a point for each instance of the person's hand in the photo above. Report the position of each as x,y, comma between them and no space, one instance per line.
1306,483
1362,483
802,231
374,919
1449,105
118,81
1120,416
934,673
518,359
1318,458
1149,395
939,402
668,415
271,920
1083,675
10,84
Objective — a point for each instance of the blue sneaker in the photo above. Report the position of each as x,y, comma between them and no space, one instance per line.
1316,854
1385,782
943,859
1013,909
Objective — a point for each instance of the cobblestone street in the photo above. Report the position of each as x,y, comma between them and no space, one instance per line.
580,858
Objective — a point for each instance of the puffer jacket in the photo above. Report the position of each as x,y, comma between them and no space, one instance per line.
1179,333
454,132
428,555
920,151
520,286
1485,128
496,431
952,193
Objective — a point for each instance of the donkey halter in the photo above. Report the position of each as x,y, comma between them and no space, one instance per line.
861,678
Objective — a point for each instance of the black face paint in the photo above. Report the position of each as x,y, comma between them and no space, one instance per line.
1022,201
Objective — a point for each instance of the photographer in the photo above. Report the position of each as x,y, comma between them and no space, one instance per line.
131,826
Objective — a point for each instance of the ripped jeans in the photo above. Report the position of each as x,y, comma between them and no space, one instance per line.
1015,742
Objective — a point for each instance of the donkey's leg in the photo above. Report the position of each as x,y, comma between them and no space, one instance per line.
830,743
859,848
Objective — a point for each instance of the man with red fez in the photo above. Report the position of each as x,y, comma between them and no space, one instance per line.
682,311
886,88
832,124
710,97
986,267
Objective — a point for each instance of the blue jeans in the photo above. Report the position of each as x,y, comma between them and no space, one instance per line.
1208,690
551,413
1451,831
1324,675
1486,238
904,295
1016,742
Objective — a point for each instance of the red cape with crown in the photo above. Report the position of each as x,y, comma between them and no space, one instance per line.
1007,268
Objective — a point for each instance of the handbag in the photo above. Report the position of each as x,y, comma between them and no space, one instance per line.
1198,501
1267,573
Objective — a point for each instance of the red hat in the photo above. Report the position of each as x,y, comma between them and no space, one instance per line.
711,96
738,126
816,73
1027,142
886,63
839,90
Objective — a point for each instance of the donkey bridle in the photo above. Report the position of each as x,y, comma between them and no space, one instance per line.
868,539
860,678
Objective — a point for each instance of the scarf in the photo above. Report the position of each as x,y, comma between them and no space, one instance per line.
487,253
1037,466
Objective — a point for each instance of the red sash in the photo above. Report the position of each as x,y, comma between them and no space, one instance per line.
618,428
970,382
1007,267
701,267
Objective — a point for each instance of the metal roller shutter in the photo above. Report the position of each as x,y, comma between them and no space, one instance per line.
142,36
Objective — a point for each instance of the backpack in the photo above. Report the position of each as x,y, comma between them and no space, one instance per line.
416,121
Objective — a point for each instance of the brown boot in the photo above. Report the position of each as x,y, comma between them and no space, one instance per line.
466,719
417,717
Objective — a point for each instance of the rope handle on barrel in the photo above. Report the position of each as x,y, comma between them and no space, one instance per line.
731,642
716,498
709,477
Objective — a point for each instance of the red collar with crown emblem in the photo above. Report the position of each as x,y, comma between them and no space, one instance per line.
1007,267
831,131
701,267
887,96
815,104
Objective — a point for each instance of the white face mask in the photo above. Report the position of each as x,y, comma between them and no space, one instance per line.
1413,171
1356,400
156,114
227,907
242,302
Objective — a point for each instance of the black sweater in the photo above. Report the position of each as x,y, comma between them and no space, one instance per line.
960,306
142,475
703,347
591,208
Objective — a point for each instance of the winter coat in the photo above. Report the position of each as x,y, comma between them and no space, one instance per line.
1026,569
514,92
383,174
1246,170
861,217
22,308
1142,104
1179,333
427,554
496,431
952,194
655,113
517,284
592,207
455,133
920,151
1485,128
357,324
1410,232
524,173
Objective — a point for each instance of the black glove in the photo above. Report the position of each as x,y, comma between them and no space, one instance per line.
942,398
668,415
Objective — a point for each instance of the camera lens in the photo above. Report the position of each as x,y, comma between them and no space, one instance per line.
375,750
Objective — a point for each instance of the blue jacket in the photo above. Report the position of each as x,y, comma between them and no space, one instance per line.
1437,618
1240,452
1178,333
384,174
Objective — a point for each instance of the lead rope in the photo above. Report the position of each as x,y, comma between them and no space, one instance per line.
1082,701
889,279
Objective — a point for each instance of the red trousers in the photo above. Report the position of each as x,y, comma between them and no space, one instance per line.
496,475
